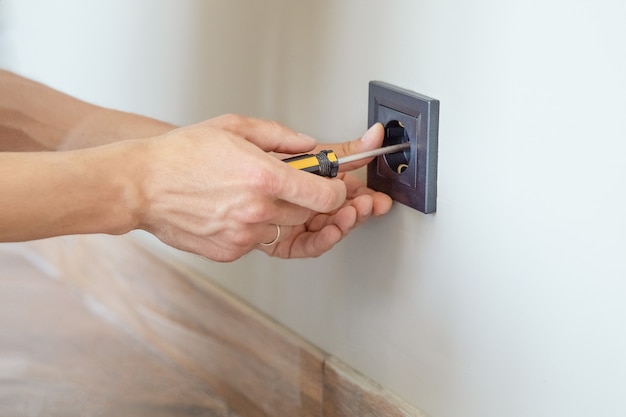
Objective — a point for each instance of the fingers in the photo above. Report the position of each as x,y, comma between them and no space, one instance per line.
288,214
301,188
297,187
304,244
276,238
380,202
268,135
311,191
344,219
372,139
321,235
209,205
323,230
312,245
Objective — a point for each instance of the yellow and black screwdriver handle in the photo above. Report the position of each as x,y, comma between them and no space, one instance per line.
324,163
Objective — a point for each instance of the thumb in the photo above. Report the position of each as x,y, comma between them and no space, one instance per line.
372,139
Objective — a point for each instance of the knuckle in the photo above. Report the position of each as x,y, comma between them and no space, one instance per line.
256,211
243,239
346,148
227,256
265,180
278,127
329,200
229,120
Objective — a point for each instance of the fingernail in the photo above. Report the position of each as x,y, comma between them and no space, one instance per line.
307,137
369,135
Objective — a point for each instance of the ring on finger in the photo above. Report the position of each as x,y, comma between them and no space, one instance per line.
273,242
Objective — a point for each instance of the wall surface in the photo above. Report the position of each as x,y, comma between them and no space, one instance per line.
509,300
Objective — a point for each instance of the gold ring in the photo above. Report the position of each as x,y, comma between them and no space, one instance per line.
273,242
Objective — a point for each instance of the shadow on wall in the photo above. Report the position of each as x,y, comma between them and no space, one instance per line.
263,59
287,60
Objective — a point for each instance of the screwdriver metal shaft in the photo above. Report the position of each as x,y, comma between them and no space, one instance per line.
375,152
326,163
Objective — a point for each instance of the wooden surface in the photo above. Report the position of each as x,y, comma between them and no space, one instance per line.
112,295
349,394
60,358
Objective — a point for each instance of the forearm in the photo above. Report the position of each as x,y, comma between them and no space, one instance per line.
36,117
45,194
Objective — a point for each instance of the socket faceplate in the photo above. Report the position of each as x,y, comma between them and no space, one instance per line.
416,185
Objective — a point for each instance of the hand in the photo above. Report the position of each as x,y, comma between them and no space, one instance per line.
213,189
323,230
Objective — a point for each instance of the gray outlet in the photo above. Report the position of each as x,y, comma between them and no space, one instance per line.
408,177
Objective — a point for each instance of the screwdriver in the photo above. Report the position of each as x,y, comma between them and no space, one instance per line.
326,163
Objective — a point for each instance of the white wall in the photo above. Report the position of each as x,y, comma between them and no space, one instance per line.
507,302
164,58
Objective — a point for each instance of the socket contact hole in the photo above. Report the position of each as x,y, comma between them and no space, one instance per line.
395,134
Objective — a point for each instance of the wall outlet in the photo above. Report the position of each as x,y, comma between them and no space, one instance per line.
409,177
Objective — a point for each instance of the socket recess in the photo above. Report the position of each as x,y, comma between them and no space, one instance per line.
408,177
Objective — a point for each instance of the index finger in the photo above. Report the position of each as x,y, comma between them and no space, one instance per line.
268,135
308,190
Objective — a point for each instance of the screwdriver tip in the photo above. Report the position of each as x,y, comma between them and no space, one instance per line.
376,152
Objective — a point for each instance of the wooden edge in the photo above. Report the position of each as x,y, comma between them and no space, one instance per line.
348,393
259,367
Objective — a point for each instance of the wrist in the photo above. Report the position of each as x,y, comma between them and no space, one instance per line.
112,198
125,168
94,190
102,126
